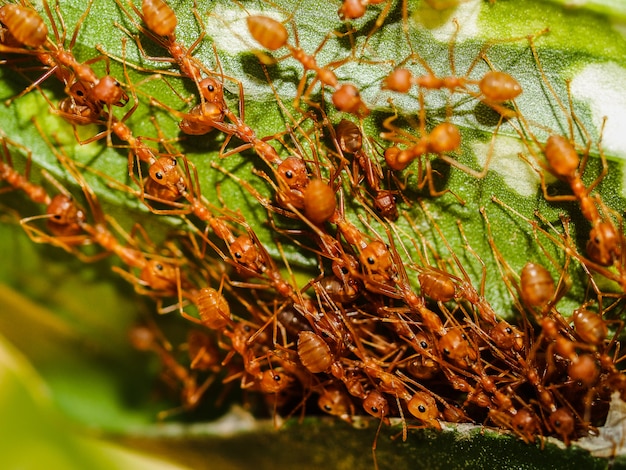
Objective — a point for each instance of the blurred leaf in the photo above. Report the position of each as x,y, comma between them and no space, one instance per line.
34,435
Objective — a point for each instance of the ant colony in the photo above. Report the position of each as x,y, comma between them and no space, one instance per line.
335,233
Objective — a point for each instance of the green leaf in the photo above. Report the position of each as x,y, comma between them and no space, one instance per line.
35,435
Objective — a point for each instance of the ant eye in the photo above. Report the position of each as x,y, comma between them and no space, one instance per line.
446,352
211,88
557,424
80,93
327,408
345,270
56,217
508,331
238,255
374,409
159,267
371,260
422,409
423,344
158,175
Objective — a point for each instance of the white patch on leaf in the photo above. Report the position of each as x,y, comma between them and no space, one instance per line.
517,174
466,13
611,438
601,86
228,28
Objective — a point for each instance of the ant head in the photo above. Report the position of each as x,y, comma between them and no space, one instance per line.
64,211
293,173
109,91
603,245
423,407
336,402
376,405
164,171
212,90
159,276
376,257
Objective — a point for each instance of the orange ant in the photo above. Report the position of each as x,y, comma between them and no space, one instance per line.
63,215
209,114
161,22
605,245
148,338
415,303
336,402
463,287
383,271
494,88
213,109
564,241
244,339
350,140
273,35
444,138
158,277
247,253
524,423
212,113
25,24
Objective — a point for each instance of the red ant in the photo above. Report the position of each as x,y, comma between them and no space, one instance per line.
210,113
25,24
564,241
244,341
464,288
336,402
161,22
350,140
273,35
63,215
605,245
148,338
444,138
494,87
160,277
